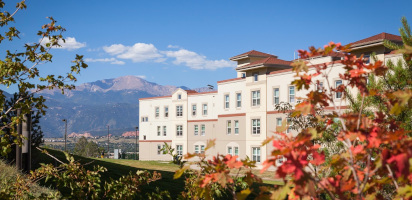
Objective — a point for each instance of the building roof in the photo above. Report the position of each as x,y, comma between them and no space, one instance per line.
232,79
267,61
377,38
252,53
199,93
190,91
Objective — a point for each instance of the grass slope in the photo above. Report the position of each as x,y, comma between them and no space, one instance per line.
118,168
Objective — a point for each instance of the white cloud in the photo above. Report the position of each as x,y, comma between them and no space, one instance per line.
69,44
195,61
113,61
142,52
173,46
139,52
141,76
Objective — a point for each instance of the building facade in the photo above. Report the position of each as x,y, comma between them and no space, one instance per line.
241,113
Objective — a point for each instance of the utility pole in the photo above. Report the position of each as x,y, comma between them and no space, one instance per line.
65,135
26,150
135,153
108,142
18,147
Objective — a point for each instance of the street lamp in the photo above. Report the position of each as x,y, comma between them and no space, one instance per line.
65,135
135,153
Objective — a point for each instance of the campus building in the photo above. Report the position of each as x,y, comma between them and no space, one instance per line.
241,113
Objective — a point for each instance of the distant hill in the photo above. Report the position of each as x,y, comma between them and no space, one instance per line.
93,106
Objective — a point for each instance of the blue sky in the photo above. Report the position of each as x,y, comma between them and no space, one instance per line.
189,42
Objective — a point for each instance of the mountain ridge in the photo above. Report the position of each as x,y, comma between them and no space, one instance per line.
94,105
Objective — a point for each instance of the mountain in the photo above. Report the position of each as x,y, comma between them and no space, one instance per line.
92,106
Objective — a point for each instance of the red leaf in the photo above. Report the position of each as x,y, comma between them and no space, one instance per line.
318,158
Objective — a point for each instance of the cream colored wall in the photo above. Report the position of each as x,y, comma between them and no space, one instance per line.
318,60
231,88
149,128
199,100
224,139
148,151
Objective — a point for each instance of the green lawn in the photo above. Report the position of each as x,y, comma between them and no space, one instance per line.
118,168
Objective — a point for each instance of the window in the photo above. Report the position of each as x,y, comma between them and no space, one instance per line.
291,94
255,126
196,129
164,130
289,124
194,109
226,101
197,149
366,58
256,154
166,111
337,84
243,75
144,137
278,121
255,77
159,149
179,96
229,127
179,111
229,151
202,148
203,129
238,100
179,130
204,109
319,86
157,112
158,130
236,151
145,119
276,96
236,127
179,150
256,98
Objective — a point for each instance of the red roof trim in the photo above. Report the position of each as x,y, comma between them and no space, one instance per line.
155,140
203,93
203,120
154,97
273,112
228,80
232,115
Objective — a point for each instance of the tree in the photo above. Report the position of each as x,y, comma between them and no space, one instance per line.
21,67
85,148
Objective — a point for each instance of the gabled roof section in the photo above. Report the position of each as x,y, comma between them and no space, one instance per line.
377,39
252,53
269,61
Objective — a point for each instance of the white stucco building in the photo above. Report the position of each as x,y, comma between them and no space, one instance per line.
241,113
